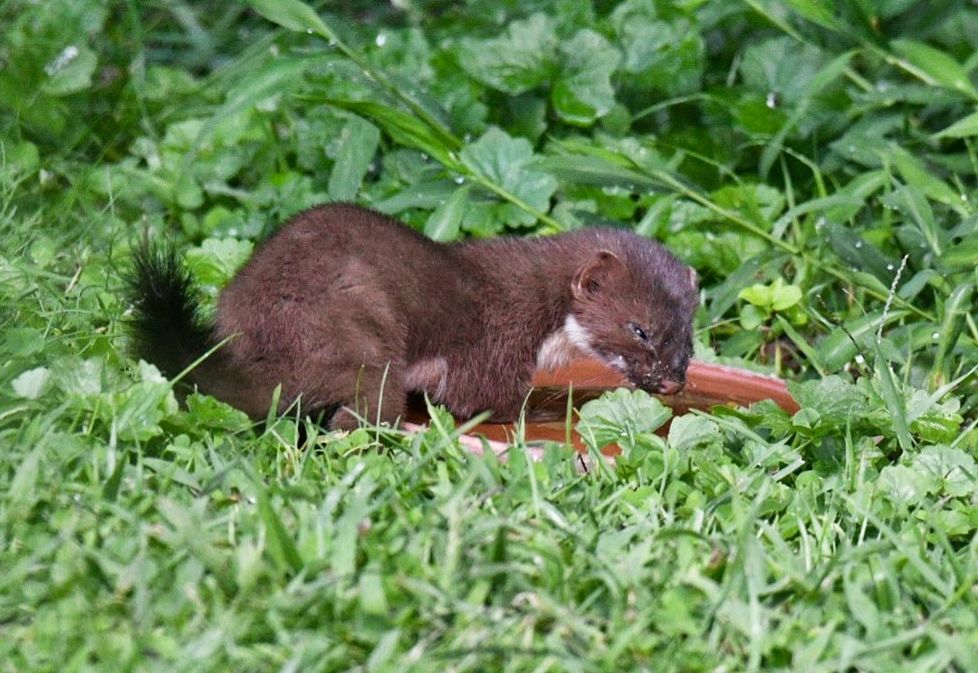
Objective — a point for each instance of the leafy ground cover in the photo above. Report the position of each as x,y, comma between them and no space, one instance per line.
816,162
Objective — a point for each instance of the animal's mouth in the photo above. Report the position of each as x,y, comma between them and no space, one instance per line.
658,386
644,380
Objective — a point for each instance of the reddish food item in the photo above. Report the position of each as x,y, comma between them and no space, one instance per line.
707,385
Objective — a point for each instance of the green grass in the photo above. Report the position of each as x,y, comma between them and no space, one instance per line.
816,162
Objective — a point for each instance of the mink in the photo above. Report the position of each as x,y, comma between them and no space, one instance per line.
349,311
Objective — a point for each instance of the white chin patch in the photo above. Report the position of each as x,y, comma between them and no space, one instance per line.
618,363
567,343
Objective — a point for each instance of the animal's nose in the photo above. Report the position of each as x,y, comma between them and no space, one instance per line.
670,387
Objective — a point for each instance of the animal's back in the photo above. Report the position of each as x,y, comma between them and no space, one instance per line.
336,288
332,255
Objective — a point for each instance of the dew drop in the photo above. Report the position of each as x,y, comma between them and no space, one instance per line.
859,244
309,31
381,39
459,180
889,267
860,359
935,336
772,100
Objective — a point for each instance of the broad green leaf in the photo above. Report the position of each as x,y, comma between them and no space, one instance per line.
785,296
523,58
424,195
777,296
764,266
70,71
593,170
689,432
207,411
291,15
836,400
757,294
818,12
954,470
911,201
23,341
783,67
752,317
661,53
963,128
827,75
903,485
917,175
169,470
274,79
836,201
507,162
445,222
138,411
619,416
859,253
837,349
938,66
23,157
961,256
358,144
403,127
583,91
216,260
758,202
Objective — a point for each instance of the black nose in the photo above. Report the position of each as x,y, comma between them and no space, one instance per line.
670,387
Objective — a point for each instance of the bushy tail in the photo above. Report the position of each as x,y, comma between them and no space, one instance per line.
166,325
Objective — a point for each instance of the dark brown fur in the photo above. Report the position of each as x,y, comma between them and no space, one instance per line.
347,308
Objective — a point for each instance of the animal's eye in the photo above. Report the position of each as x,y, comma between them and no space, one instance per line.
638,331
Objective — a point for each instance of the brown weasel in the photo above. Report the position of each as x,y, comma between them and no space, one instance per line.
349,311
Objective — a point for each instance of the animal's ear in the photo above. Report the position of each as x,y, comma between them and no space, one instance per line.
596,274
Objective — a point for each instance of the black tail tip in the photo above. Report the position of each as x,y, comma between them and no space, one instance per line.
165,326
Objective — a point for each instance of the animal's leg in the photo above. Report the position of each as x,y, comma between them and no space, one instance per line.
373,393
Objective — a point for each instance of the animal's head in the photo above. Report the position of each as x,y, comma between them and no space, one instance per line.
636,315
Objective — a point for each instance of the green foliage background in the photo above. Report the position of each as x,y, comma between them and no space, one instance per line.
815,161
